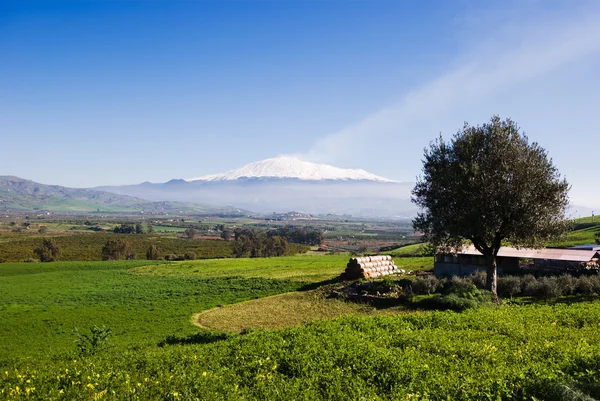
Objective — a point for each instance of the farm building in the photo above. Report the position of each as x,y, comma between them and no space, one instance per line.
512,260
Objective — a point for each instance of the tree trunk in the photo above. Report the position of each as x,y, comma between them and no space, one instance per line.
492,277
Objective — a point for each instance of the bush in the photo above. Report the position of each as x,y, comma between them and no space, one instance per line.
117,249
585,286
567,284
459,285
548,288
460,300
425,285
153,253
509,286
48,251
170,257
478,278
30,260
529,285
189,256
595,280
92,343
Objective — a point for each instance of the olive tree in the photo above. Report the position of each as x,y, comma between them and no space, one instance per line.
489,185
48,251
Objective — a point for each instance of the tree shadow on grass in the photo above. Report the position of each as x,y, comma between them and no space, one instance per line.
203,337
314,286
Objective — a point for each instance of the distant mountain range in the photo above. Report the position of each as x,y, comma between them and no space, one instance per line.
276,185
285,183
19,194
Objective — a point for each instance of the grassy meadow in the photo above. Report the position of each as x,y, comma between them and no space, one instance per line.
256,329
303,268
41,304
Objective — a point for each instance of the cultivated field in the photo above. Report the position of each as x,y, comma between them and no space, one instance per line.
156,351
267,328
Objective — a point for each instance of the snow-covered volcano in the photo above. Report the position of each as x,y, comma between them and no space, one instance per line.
291,167
285,183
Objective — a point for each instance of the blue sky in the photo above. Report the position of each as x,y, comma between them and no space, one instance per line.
113,92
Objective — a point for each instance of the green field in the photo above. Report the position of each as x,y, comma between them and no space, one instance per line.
88,246
587,220
305,268
157,353
582,236
408,250
168,229
41,304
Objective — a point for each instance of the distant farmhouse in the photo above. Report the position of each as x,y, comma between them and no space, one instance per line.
513,260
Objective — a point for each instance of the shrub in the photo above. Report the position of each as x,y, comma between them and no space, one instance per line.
170,257
459,284
567,284
585,286
529,285
189,256
153,253
548,288
460,300
48,251
509,286
92,343
117,250
595,280
478,278
425,285
30,260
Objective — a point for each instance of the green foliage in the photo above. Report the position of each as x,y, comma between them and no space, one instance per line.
548,288
88,246
94,342
506,352
567,284
298,235
460,298
489,185
544,288
255,244
125,228
524,353
426,285
117,249
153,253
48,251
509,286
40,304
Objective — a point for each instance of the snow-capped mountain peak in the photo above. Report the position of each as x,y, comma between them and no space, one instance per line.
291,167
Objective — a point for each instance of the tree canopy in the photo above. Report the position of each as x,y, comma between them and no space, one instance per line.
48,251
489,185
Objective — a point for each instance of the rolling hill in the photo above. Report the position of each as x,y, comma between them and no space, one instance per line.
19,194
